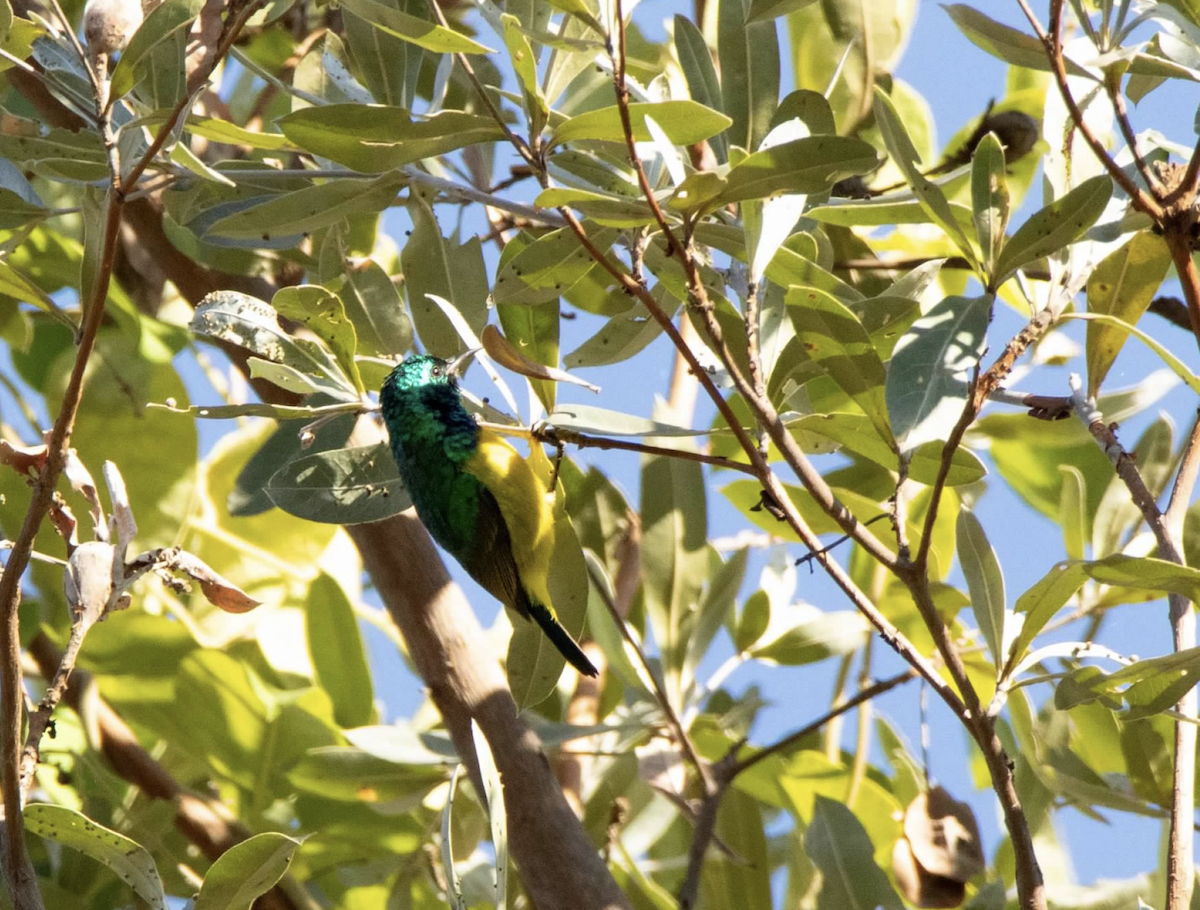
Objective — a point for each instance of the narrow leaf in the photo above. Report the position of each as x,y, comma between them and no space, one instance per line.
1122,286
985,581
374,139
904,155
411,28
684,122
335,647
989,198
1055,227
833,336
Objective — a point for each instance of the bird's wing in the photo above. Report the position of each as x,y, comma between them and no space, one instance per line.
489,558
524,507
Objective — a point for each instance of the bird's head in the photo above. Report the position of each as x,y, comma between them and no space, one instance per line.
422,370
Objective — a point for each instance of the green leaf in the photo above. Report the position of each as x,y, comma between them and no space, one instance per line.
533,331
752,622
854,433
325,316
374,138
674,557
814,638
1147,573
684,122
989,198
743,876
342,486
335,648
985,581
1072,511
351,774
1178,367
307,210
883,210
718,602
15,284
433,264
418,31
761,10
493,789
374,306
524,64
389,66
698,71
454,882
1148,686
1122,285
534,665
547,268
253,324
836,842
584,418
749,56
926,381
15,211
905,157
833,337
126,858
1054,227
245,871
1004,42
809,165
610,211
220,715
159,28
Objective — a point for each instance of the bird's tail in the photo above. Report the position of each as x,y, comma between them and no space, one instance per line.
561,639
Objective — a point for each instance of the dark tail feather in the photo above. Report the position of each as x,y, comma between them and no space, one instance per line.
561,639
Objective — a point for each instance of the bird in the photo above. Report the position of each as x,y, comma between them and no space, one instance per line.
477,497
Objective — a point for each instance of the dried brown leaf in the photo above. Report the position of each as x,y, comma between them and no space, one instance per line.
64,522
501,351
23,459
219,591
81,481
124,528
88,582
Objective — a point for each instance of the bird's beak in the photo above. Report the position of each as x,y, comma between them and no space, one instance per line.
456,366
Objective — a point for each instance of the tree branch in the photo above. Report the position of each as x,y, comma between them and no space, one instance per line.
1180,864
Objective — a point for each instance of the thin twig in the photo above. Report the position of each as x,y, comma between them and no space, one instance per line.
1180,868
481,92
555,435
1054,53
676,725
729,767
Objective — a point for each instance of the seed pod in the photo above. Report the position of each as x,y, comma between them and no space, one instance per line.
1017,132
109,24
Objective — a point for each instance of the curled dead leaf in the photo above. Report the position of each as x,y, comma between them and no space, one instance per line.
502,351
944,835
80,479
23,459
220,592
64,522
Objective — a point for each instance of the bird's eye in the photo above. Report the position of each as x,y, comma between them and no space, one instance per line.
437,371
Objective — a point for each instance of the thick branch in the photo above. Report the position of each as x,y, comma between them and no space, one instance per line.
559,866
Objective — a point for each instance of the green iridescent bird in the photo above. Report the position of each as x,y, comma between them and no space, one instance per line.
475,494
